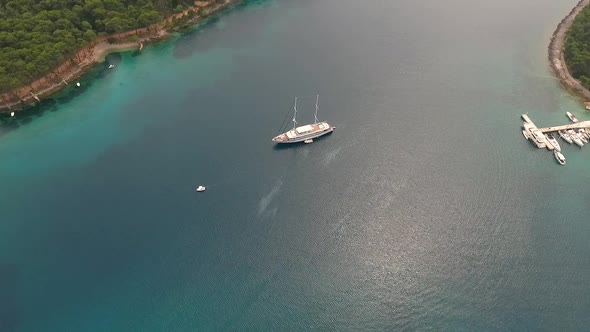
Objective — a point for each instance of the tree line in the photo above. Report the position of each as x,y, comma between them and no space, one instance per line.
37,36
577,48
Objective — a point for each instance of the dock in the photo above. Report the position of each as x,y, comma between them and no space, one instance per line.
534,134
577,125
538,136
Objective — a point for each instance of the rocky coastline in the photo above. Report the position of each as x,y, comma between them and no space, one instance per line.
87,57
556,56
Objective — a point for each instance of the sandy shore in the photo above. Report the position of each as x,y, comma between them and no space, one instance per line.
45,87
101,50
556,57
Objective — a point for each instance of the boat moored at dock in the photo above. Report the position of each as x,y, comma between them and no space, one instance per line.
575,138
551,139
582,136
565,136
535,135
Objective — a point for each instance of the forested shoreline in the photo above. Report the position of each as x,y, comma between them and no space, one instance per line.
38,37
577,48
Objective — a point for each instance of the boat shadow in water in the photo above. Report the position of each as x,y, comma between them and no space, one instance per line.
287,146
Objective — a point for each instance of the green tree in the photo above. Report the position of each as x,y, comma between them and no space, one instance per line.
36,36
577,48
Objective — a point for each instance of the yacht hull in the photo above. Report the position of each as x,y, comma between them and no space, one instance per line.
305,137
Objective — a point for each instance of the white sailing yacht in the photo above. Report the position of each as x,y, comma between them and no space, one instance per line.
304,133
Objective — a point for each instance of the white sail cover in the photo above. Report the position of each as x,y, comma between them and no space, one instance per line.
303,129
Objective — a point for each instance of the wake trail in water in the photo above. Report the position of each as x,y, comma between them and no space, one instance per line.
266,200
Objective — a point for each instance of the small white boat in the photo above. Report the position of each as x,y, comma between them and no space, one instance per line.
307,141
11,113
551,139
559,157
571,117
566,137
201,188
526,136
583,137
111,66
78,84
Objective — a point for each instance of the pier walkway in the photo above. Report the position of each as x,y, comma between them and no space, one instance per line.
539,136
544,137
577,125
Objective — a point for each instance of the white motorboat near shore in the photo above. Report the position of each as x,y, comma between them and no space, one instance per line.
571,117
551,139
201,188
582,137
559,157
575,138
538,137
535,136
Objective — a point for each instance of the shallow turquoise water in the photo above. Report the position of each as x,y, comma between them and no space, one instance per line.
424,210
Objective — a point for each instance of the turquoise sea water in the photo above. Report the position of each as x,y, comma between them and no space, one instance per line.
425,210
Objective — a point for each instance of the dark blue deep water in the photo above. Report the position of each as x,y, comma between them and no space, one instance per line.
425,210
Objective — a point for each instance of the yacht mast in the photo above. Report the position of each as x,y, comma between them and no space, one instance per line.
317,100
295,114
